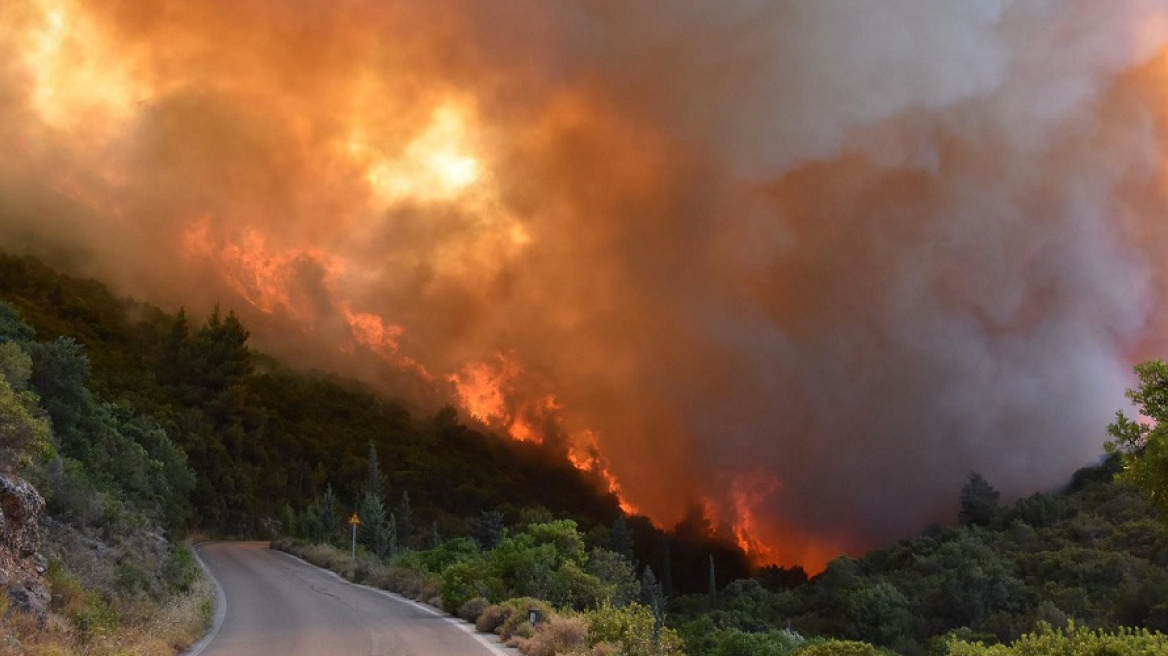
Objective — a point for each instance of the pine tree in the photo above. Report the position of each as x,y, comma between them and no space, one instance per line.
390,537
620,539
979,502
667,569
330,520
489,529
654,599
713,588
372,509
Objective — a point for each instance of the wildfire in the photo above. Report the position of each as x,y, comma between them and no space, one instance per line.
584,454
496,393
262,276
479,388
284,188
372,331
747,492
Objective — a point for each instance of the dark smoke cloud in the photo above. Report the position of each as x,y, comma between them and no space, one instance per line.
861,247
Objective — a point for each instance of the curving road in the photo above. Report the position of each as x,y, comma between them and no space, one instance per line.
279,605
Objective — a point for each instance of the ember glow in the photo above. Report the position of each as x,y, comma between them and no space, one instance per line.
805,263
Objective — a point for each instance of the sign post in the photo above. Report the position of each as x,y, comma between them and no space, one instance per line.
354,521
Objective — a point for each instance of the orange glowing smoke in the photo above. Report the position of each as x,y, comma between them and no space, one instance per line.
302,208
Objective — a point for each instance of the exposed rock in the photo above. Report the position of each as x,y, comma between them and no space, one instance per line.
21,563
30,596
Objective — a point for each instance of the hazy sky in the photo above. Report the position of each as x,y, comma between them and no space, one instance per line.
807,263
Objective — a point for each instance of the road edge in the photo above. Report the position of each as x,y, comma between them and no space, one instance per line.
494,647
220,607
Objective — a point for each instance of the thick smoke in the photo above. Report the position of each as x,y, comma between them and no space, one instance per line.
809,262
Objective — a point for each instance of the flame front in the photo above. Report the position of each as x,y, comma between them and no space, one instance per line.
748,492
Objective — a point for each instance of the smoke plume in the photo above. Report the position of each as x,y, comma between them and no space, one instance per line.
807,263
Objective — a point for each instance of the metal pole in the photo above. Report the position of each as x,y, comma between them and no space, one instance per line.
353,554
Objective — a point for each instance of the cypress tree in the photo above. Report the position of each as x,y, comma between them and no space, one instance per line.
667,569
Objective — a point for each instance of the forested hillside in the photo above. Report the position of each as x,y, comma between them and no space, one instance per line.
138,425
259,436
262,442
1096,553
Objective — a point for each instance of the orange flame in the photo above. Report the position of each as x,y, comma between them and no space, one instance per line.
480,390
747,492
260,276
584,454
497,394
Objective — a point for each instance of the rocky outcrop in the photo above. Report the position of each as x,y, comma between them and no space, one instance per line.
21,562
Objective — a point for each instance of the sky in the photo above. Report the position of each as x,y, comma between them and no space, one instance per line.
807,264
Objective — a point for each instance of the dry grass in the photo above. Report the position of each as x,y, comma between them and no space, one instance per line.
142,629
558,635
491,618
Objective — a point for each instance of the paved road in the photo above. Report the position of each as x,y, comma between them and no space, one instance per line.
278,605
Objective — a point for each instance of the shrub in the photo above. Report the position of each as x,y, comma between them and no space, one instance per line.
453,551
466,580
516,621
492,618
1071,641
840,648
572,587
88,611
771,643
558,635
473,608
633,628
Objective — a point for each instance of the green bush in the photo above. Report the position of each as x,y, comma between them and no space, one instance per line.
88,611
466,580
515,622
733,642
841,648
1072,641
633,629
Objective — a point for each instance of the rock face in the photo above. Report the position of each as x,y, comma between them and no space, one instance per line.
21,564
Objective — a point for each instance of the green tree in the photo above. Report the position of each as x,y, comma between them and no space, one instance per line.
12,325
620,539
24,437
329,522
879,613
617,573
979,502
1143,446
405,521
488,529
374,530
653,598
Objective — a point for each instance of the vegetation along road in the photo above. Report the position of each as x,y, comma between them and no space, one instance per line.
279,605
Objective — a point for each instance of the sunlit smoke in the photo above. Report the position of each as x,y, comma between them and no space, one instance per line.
806,263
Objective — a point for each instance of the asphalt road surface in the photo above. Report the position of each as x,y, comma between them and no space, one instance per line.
278,605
